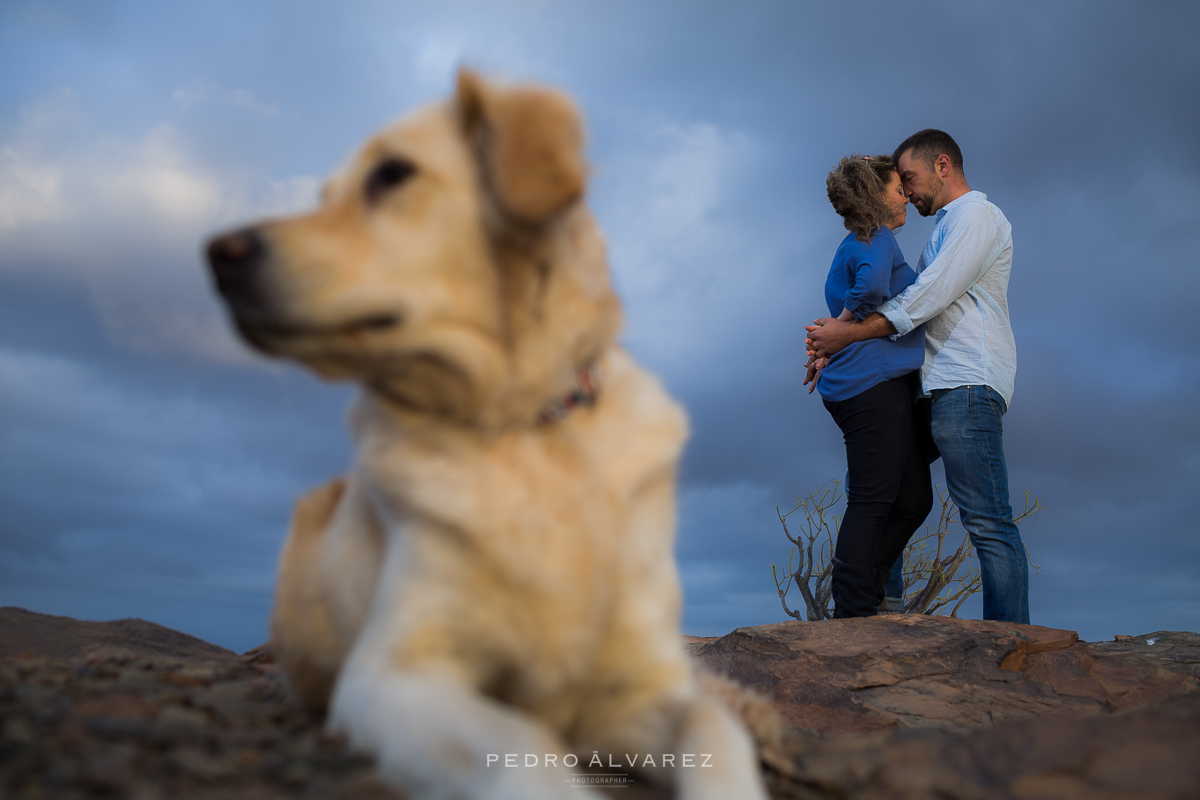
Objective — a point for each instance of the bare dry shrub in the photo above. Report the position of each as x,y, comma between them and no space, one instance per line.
937,580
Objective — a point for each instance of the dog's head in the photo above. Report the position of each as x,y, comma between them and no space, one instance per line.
451,266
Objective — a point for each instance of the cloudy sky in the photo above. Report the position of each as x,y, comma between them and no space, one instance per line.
148,462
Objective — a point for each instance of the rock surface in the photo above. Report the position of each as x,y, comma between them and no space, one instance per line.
143,712
888,707
899,671
1149,754
903,706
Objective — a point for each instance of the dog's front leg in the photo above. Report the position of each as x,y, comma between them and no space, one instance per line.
435,737
304,631
722,761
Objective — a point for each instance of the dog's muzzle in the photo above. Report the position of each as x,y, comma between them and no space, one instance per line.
241,268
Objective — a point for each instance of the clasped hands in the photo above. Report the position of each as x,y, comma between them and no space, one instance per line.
826,337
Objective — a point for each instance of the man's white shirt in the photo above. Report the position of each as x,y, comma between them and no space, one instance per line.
961,295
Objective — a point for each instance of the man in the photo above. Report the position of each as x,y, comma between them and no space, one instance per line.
970,354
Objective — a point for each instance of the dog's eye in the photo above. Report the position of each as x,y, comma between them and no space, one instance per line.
388,175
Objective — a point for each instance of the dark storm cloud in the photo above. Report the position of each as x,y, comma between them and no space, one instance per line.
149,463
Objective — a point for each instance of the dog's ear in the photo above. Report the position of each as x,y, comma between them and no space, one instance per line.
530,145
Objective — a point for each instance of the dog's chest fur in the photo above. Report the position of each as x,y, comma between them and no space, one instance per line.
539,520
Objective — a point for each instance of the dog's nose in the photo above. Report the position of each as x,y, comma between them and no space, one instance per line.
235,259
237,250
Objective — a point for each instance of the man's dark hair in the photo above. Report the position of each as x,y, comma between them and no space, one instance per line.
927,145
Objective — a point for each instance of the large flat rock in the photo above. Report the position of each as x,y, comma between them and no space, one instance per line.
1139,754
911,707
905,671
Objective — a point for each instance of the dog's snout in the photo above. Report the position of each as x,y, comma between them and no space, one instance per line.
235,259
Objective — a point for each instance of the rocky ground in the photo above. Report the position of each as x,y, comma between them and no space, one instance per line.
895,707
129,709
903,706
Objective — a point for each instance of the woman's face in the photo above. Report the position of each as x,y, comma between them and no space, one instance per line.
893,193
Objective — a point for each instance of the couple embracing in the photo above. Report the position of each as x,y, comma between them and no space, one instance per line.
916,364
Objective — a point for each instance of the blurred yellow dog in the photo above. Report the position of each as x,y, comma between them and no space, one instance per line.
494,576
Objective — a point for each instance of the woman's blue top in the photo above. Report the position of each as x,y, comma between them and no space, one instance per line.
863,277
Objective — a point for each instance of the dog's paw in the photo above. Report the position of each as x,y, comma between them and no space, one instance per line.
435,738
755,711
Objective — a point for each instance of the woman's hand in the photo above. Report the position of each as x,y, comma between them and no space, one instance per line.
814,366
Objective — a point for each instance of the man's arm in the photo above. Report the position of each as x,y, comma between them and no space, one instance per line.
827,336
974,238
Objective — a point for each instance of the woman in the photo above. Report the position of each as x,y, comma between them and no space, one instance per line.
869,388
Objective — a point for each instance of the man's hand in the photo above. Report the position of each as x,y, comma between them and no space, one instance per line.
814,365
828,336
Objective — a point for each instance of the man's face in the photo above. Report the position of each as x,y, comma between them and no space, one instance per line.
921,183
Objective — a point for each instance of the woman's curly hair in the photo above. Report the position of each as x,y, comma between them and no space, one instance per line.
856,190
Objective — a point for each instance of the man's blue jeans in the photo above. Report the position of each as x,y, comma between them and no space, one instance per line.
965,424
